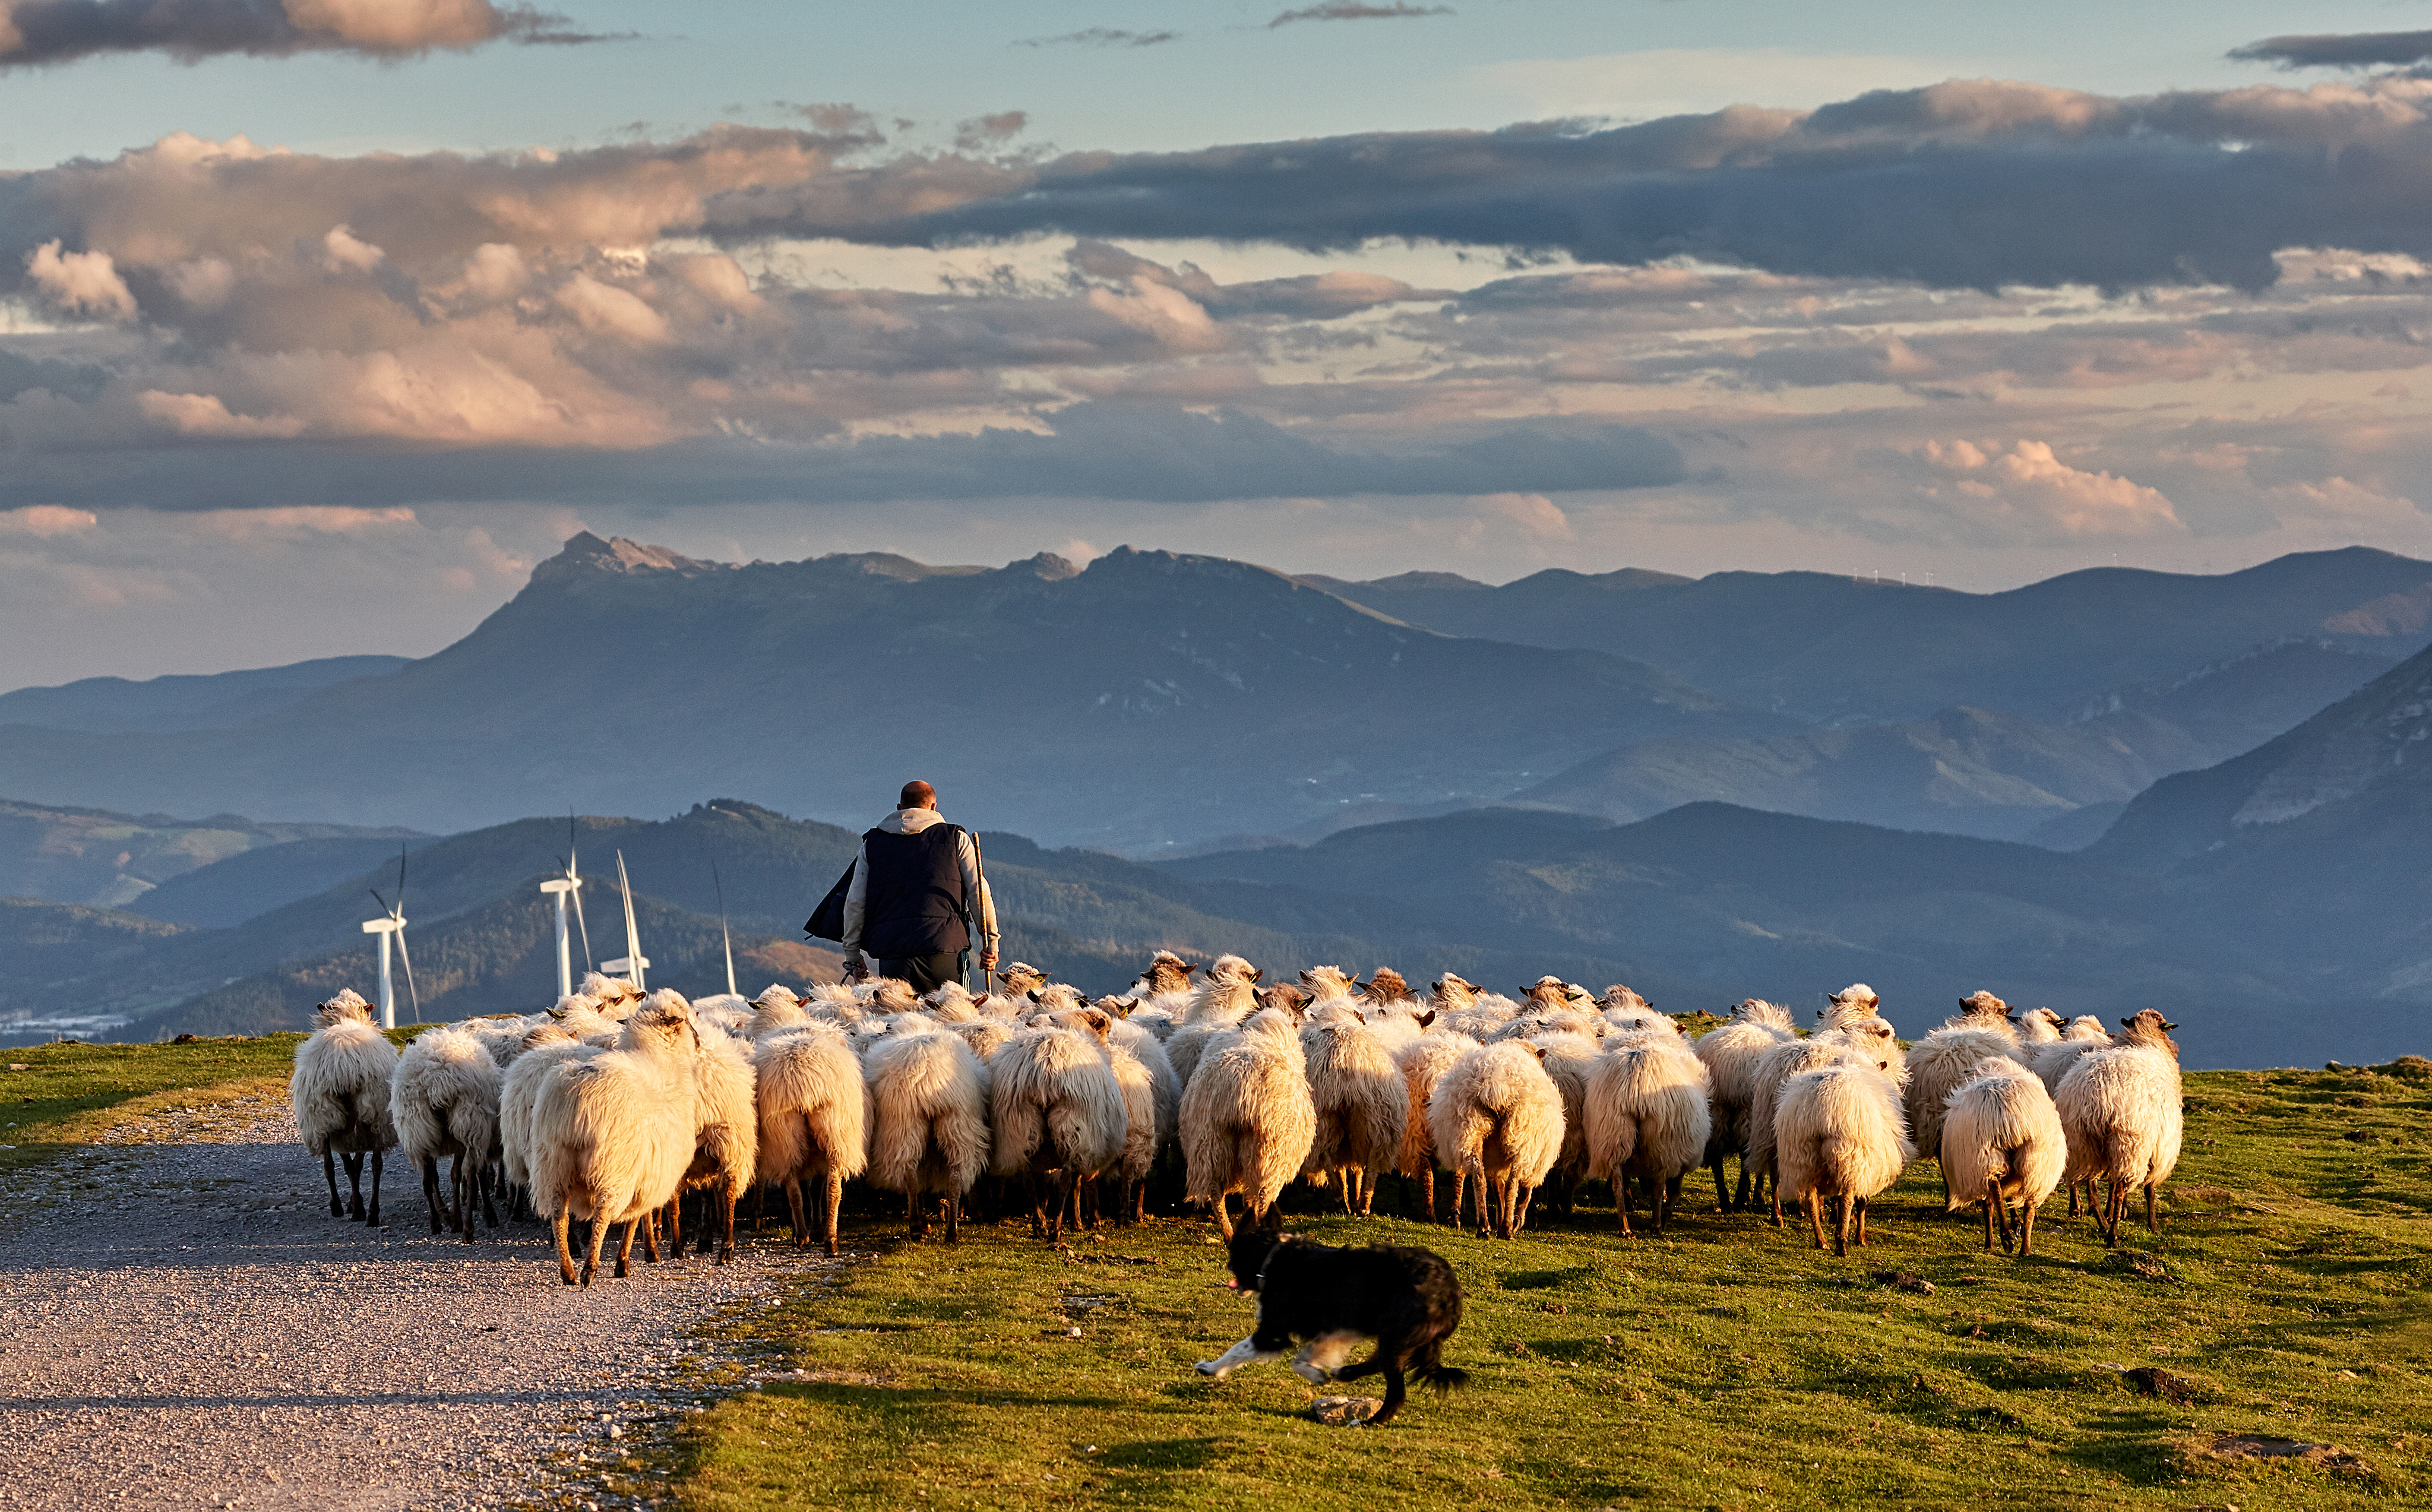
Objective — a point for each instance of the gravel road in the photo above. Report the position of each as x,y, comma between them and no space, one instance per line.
183,1324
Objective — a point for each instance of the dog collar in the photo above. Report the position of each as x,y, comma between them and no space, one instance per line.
1259,1285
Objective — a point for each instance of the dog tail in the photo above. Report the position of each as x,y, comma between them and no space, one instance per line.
1444,1379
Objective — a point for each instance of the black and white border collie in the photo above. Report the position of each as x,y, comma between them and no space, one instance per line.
1407,1299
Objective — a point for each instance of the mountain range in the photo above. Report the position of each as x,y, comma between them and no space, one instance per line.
1159,704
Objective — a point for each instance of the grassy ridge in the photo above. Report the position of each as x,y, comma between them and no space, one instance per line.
1723,1365
69,1093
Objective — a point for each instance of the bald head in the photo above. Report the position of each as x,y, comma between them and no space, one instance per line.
916,794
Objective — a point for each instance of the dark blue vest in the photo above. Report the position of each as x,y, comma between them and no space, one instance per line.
912,901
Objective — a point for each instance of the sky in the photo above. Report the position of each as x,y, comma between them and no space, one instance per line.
322,321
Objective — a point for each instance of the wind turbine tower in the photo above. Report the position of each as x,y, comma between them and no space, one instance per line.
565,886
391,925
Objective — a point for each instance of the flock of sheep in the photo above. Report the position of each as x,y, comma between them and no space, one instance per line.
613,1105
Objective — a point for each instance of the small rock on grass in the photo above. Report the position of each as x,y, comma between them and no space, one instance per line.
1344,1412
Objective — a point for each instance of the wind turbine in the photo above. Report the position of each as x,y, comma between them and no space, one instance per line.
726,933
633,963
391,924
569,885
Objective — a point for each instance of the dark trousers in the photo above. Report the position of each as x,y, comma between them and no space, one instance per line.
926,973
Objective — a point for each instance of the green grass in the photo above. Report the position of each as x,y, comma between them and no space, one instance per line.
68,1094
1725,1365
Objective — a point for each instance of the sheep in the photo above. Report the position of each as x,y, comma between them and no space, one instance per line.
545,1047
1948,1056
1840,1132
500,1034
1730,1054
1623,1009
726,1012
1059,1114
1856,1000
1424,1062
951,1003
1569,1055
726,1141
2002,1142
612,1136
1646,1117
581,1016
1873,1036
1145,1124
888,995
1218,1007
617,997
1247,1118
2121,1108
1362,1102
1499,1116
813,1115
444,1097
1461,1008
929,1129
1008,996
777,1010
2037,1029
2084,1033
340,1095
1162,994
1165,1087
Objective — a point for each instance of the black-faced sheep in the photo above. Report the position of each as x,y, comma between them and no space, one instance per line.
340,1093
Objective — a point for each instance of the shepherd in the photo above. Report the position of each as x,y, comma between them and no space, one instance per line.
914,900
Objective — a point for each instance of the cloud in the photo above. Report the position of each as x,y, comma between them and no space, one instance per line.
2371,49
2024,487
38,33
1102,37
984,131
46,520
80,283
1355,10
1970,183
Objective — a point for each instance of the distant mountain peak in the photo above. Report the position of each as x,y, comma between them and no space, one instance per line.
585,552
1047,566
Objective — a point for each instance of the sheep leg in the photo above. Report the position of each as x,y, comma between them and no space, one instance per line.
329,1173
354,1163
463,1182
1861,1207
760,1206
955,1215
1815,1217
489,1208
1225,1216
1140,1200
648,1225
2026,1229
1777,1212
564,1253
625,1251
372,1218
1341,1185
1722,1193
431,1189
2115,1199
836,1205
1459,1185
1997,1207
1621,1204
794,1206
675,1228
726,1199
1479,1196
1037,1204
599,1241
1428,1189
1841,1206
1741,1202
2152,1218
2072,1199
913,1224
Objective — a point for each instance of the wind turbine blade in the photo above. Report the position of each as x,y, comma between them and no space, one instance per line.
724,934
400,877
381,901
576,894
633,934
407,956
